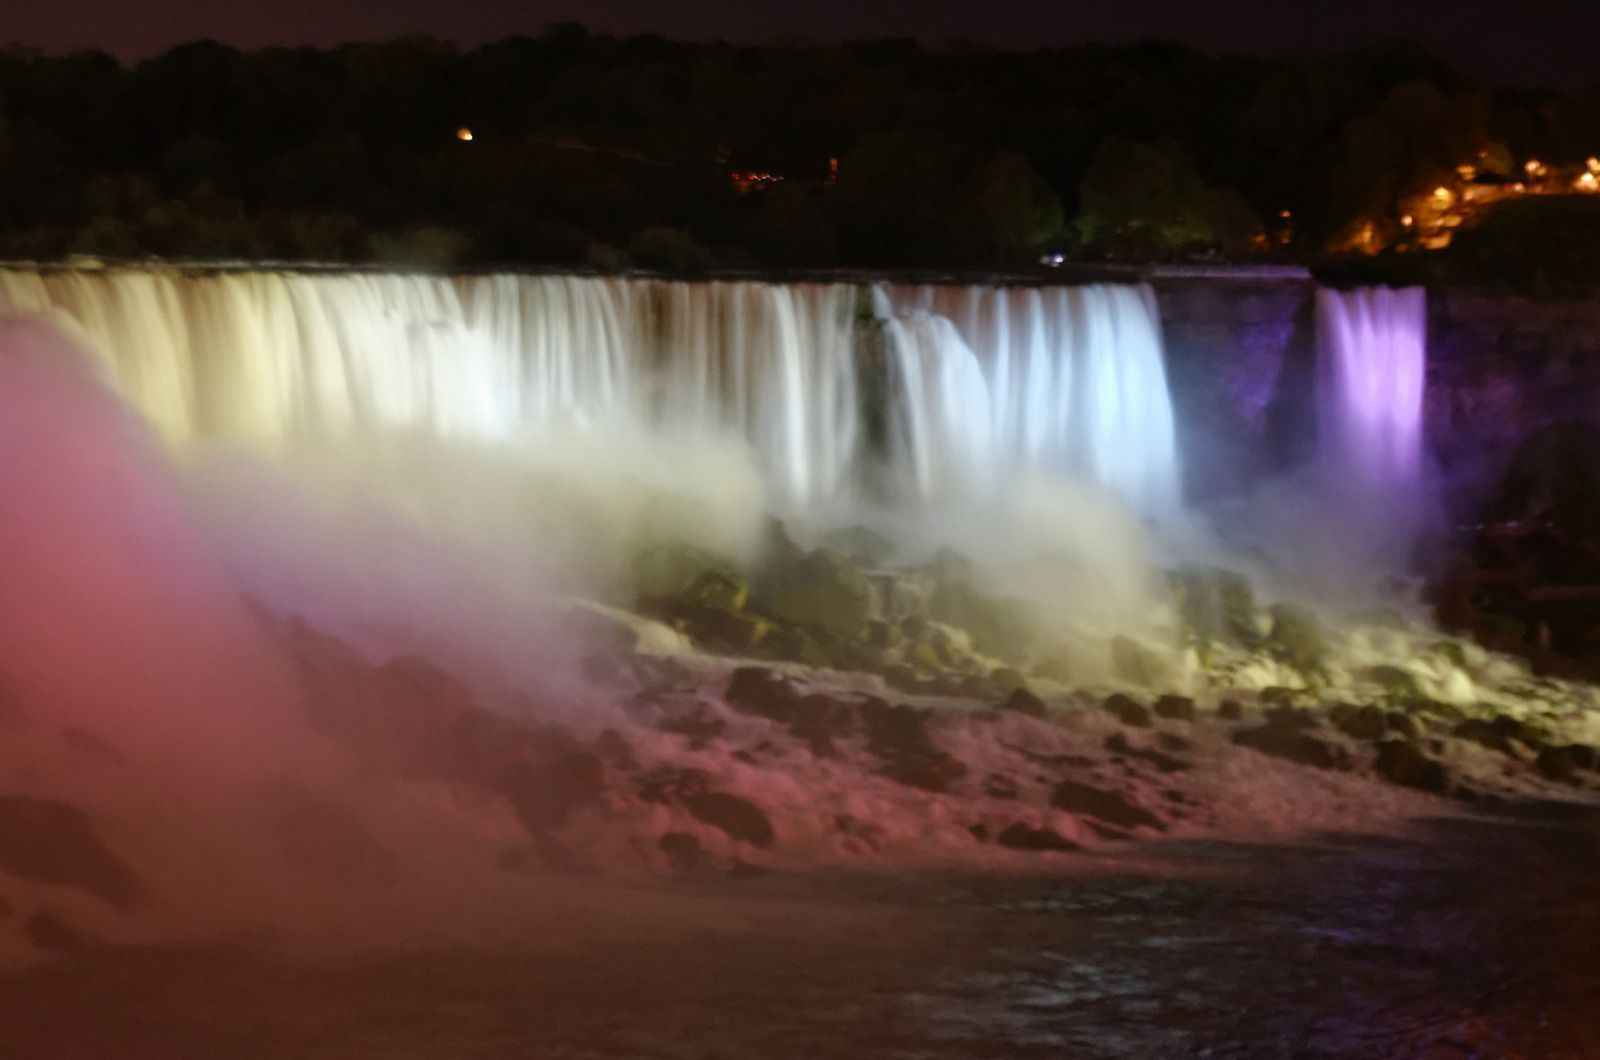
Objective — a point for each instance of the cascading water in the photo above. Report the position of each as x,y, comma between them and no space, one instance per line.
1371,365
1066,380
985,381
1371,356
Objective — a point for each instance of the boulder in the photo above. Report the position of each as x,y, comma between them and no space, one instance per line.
1285,736
50,842
1404,763
1021,701
740,818
673,572
1117,743
821,589
1361,723
1019,836
1108,806
1128,710
1230,710
1559,763
1175,708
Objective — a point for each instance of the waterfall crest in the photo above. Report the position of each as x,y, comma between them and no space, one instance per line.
982,382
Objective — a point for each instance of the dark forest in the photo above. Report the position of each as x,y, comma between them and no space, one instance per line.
594,152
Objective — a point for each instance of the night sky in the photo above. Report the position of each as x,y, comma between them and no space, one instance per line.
1529,43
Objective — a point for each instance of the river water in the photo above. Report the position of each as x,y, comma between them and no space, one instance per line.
1471,937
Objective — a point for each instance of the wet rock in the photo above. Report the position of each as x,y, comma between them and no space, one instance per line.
1216,605
933,773
898,735
729,631
1559,764
881,634
1021,701
328,841
740,818
1583,756
1176,708
1127,710
544,795
1485,734
1117,743
1361,723
1021,837
762,692
681,848
1403,725
1405,763
673,573
49,932
1285,736
1296,636
795,644
821,589
50,842
1230,710
1289,717
1108,806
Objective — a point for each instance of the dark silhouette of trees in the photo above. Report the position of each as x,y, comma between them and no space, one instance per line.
590,150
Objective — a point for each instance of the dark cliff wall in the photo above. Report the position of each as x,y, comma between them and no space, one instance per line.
1240,360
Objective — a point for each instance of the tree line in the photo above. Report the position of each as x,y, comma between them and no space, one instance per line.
588,150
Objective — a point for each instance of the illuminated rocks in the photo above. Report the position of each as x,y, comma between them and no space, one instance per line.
1405,764
1285,736
1108,806
1127,710
740,818
1021,837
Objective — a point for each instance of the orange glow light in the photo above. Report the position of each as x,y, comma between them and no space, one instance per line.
463,133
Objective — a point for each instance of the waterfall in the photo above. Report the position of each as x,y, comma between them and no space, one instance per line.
1065,380
983,381
1371,361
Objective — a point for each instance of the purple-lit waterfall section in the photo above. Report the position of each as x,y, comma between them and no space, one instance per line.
1371,365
